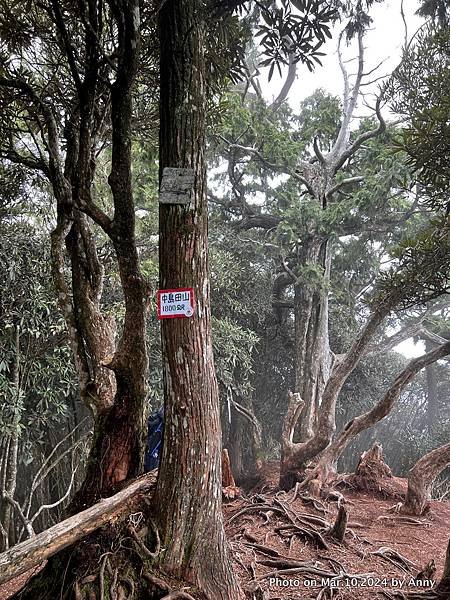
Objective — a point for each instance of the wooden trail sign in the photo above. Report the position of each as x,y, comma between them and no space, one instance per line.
176,186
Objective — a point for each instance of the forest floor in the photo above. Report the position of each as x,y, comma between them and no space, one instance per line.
281,545
282,550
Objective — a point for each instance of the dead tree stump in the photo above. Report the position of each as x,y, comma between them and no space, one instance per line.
371,465
229,488
373,474
340,525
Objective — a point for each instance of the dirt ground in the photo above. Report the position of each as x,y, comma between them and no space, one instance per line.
360,564
282,551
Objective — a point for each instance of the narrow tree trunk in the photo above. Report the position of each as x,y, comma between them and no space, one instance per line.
432,392
236,445
421,478
188,495
244,442
11,454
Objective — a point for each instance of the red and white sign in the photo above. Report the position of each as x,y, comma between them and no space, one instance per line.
175,303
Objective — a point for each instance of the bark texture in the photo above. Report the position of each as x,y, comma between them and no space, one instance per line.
111,375
421,478
245,442
188,494
296,455
312,349
119,428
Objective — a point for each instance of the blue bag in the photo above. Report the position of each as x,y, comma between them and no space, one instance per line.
155,432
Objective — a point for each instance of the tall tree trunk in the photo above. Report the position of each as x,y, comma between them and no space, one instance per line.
236,446
119,434
432,391
297,455
312,351
188,494
421,478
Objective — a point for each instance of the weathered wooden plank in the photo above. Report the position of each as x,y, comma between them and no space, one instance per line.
176,186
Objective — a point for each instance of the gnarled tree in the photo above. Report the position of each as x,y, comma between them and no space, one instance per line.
59,133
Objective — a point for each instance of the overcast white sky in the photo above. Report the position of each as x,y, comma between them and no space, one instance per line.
383,42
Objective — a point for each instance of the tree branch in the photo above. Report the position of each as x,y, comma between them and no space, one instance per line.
349,100
66,46
383,407
363,137
295,407
341,184
290,78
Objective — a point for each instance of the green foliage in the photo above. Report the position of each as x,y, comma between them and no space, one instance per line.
420,92
296,27
28,305
436,9
319,116
422,272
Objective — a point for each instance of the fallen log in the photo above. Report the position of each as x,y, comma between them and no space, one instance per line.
34,551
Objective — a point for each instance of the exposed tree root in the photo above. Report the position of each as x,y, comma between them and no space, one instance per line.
394,558
307,499
428,572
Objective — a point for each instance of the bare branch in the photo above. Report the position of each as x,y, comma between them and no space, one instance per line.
44,469
343,183
31,162
384,406
363,137
349,101
57,502
263,221
26,523
290,78
317,152
433,337
32,552
66,46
